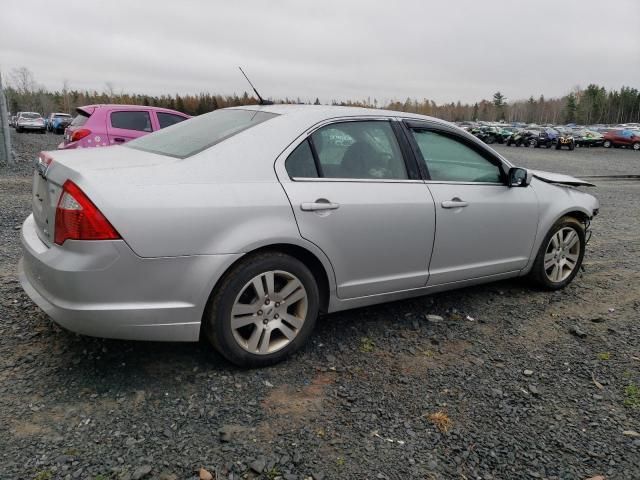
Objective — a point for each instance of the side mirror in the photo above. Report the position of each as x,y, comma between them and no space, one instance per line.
519,177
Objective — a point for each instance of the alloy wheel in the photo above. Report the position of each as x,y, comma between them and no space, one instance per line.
562,254
269,312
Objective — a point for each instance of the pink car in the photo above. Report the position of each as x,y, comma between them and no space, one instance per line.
104,125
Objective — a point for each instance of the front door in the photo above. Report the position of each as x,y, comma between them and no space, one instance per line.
353,196
483,227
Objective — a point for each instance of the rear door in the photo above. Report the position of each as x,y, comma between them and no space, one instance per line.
483,227
125,125
357,197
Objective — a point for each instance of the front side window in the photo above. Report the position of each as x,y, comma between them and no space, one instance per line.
362,149
139,121
449,160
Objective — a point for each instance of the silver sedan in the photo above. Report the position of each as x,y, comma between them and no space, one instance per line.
244,224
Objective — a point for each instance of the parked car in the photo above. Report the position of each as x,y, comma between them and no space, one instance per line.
12,121
622,138
58,122
243,224
30,121
104,125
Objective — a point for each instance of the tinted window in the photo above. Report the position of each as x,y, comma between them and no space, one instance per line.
367,150
168,119
31,116
140,121
199,133
300,163
80,119
450,160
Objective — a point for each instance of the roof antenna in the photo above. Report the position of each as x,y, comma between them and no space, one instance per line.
262,100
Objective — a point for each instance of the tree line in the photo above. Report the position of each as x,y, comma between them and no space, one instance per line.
592,105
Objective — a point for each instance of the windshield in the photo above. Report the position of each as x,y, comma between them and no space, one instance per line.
197,134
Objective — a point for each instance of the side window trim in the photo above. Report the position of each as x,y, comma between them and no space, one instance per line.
316,159
416,125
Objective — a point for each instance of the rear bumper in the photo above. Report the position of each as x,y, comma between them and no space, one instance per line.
101,288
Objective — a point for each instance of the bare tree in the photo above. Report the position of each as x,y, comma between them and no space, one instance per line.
22,80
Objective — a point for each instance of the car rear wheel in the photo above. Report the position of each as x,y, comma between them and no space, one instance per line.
560,255
636,146
572,146
607,144
264,310
533,143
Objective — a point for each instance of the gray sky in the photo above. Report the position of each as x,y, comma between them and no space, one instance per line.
445,51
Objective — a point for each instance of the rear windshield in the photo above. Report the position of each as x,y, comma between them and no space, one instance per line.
62,115
80,119
197,134
30,115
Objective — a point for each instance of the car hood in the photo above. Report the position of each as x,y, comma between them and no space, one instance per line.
550,177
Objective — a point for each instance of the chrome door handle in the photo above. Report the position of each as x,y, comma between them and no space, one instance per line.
454,203
318,206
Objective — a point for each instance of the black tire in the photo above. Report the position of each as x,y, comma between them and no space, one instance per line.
216,325
558,146
607,144
636,147
538,274
490,139
18,130
533,143
572,146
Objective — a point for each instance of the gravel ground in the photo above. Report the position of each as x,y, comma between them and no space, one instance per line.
524,383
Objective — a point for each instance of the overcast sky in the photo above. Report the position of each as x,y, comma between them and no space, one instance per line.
445,51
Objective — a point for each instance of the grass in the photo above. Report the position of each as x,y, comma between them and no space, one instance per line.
273,473
367,345
340,461
43,475
632,396
604,356
441,420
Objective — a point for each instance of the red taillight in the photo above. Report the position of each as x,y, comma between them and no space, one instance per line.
77,218
80,134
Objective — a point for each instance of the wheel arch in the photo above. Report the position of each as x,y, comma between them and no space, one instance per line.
316,262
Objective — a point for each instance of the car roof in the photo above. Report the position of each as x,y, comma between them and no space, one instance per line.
128,107
318,113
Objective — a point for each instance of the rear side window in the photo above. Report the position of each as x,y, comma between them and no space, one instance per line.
168,119
300,164
80,119
139,121
350,150
199,133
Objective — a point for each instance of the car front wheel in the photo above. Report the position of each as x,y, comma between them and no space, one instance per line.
636,146
560,255
607,144
264,310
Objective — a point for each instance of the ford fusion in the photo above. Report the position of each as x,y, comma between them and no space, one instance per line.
242,225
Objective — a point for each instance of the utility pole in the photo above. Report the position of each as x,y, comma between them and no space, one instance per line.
5,134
